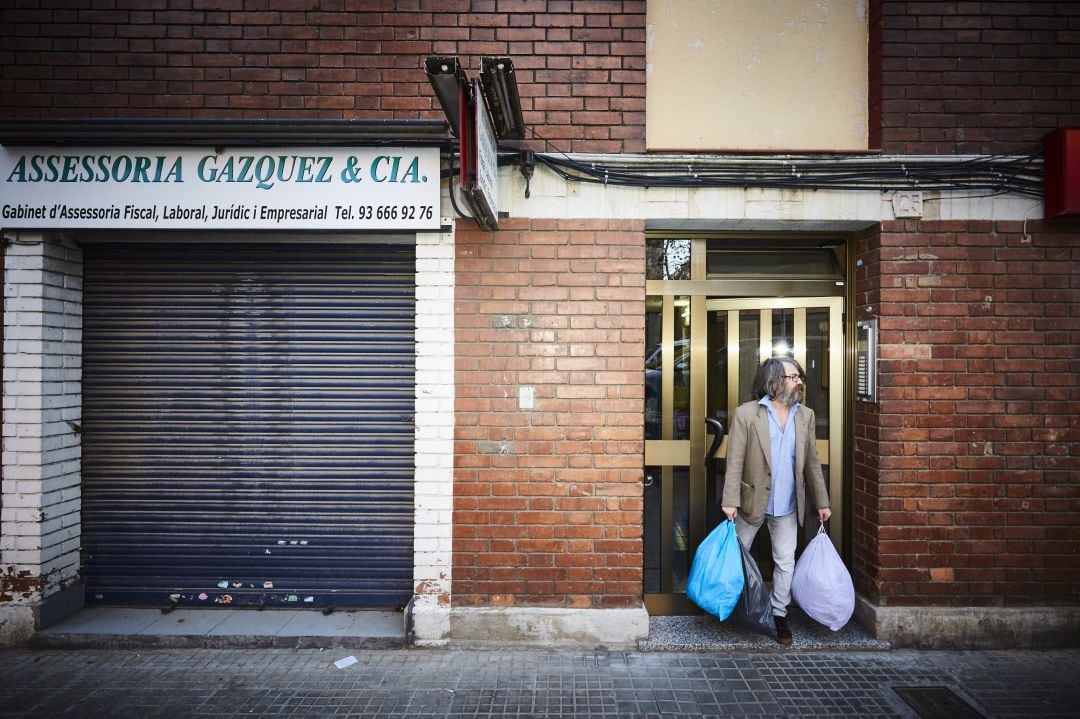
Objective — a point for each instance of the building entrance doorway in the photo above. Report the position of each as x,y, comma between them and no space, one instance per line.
704,352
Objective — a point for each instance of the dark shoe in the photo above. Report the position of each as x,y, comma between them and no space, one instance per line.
783,633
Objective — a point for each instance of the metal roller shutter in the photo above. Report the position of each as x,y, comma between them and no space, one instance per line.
248,424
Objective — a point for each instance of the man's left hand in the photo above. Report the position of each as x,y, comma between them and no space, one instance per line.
824,513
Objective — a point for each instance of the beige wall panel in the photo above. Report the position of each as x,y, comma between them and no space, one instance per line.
756,75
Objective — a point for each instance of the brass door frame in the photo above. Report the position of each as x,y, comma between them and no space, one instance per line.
667,453
831,452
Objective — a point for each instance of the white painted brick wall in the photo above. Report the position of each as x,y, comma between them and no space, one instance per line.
40,532
434,420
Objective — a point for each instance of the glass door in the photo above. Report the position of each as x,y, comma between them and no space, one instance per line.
702,368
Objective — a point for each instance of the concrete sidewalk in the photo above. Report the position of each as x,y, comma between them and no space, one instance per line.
178,683
128,628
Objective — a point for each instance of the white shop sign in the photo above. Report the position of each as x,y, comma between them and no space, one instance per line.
291,188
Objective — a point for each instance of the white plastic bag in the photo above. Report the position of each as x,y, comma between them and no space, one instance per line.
822,585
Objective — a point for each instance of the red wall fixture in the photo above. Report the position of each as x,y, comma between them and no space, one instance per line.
1062,173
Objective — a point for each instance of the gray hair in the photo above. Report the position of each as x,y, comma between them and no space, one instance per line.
770,376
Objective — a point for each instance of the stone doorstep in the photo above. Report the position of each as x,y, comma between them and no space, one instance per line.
626,629
1054,627
706,633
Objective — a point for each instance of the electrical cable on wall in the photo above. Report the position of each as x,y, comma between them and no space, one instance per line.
1019,173
449,174
981,176
453,200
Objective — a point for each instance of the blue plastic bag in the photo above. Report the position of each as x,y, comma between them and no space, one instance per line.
716,576
822,584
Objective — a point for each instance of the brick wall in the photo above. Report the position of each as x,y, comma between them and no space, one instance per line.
970,78
580,65
548,501
974,77
434,419
965,489
39,528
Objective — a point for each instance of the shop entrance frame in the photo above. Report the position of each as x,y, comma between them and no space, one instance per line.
689,298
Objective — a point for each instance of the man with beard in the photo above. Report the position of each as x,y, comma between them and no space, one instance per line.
771,458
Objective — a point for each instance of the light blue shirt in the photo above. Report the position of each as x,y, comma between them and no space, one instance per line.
782,448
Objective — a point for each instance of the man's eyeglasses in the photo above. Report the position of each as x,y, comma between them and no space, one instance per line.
795,377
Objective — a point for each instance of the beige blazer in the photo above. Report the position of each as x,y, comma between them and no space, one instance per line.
748,477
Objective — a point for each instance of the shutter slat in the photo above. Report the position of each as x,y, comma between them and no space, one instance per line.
248,420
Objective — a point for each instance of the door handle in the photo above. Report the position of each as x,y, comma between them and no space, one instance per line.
715,428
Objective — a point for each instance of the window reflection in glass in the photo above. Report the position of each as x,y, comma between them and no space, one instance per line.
680,516
667,259
816,391
783,333
717,391
653,374
681,371
749,348
676,425
654,521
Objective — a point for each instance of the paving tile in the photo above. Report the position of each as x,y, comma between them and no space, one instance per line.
739,680
485,684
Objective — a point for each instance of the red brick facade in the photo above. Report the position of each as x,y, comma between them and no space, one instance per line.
965,488
972,77
944,77
548,501
580,65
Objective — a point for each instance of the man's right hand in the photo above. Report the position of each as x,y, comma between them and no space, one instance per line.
730,512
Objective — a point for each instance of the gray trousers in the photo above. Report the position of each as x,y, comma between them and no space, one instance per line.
784,534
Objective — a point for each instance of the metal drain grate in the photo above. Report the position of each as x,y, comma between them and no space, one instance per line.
937,703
